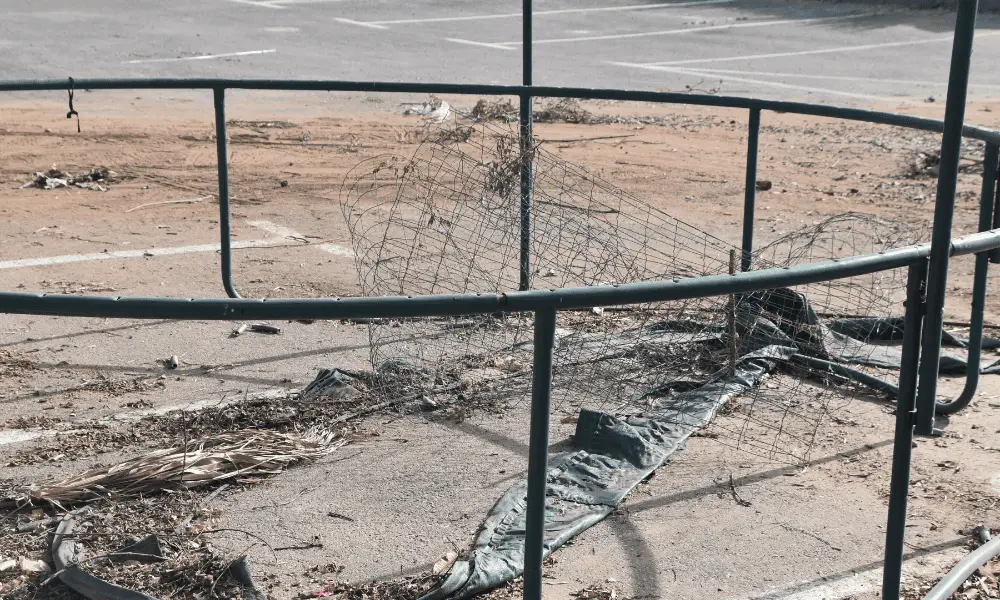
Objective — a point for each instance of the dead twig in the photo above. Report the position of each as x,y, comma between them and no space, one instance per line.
736,495
590,139
191,201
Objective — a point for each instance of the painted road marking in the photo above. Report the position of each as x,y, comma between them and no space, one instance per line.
840,78
280,4
483,44
368,24
200,57
787,86
291,234
742,25
537,13
21,263
862,47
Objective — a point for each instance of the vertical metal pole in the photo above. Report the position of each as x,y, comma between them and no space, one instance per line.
944,209
902,449
978,289
750,189
731,317
524,135
538,452
223,163
995,253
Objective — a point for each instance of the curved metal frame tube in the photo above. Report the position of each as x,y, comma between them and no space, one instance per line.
225,242
976,319
451,304
802,108
944,213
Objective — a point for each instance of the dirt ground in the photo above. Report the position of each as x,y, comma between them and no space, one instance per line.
414,486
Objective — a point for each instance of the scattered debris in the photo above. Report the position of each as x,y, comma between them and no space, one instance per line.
262,124
596,592
434,109
926,163
564,110
239,330
236,455
502,110
172,363
405,588
96,179
260,328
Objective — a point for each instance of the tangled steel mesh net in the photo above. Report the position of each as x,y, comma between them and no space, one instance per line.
447,220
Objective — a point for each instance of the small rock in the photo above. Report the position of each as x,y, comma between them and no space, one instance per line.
763,185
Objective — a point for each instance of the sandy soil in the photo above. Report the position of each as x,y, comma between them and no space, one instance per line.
679,535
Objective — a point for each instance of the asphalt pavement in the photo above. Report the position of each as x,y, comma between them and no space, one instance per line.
835,52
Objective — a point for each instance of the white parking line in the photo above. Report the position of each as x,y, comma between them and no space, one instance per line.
291,234
943,82
368,24
280,4
483,44
742,25
818,51
787,86
537,13
21,263
199,57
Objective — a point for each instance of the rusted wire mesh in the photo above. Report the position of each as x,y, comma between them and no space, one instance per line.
447,220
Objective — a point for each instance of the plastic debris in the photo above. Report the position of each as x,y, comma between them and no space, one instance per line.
96,179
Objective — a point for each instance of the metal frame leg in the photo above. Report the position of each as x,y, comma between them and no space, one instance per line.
524,136
526,160
902,449
538,452
750,189
944,209
223,164
978,289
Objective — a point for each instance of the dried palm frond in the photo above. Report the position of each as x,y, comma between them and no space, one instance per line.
225,456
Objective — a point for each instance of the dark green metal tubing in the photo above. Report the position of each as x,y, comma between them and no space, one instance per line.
944,212
902,449
538,452
226,258
995,254
750,189
70,305
978,289
844,371
802,108
524,137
